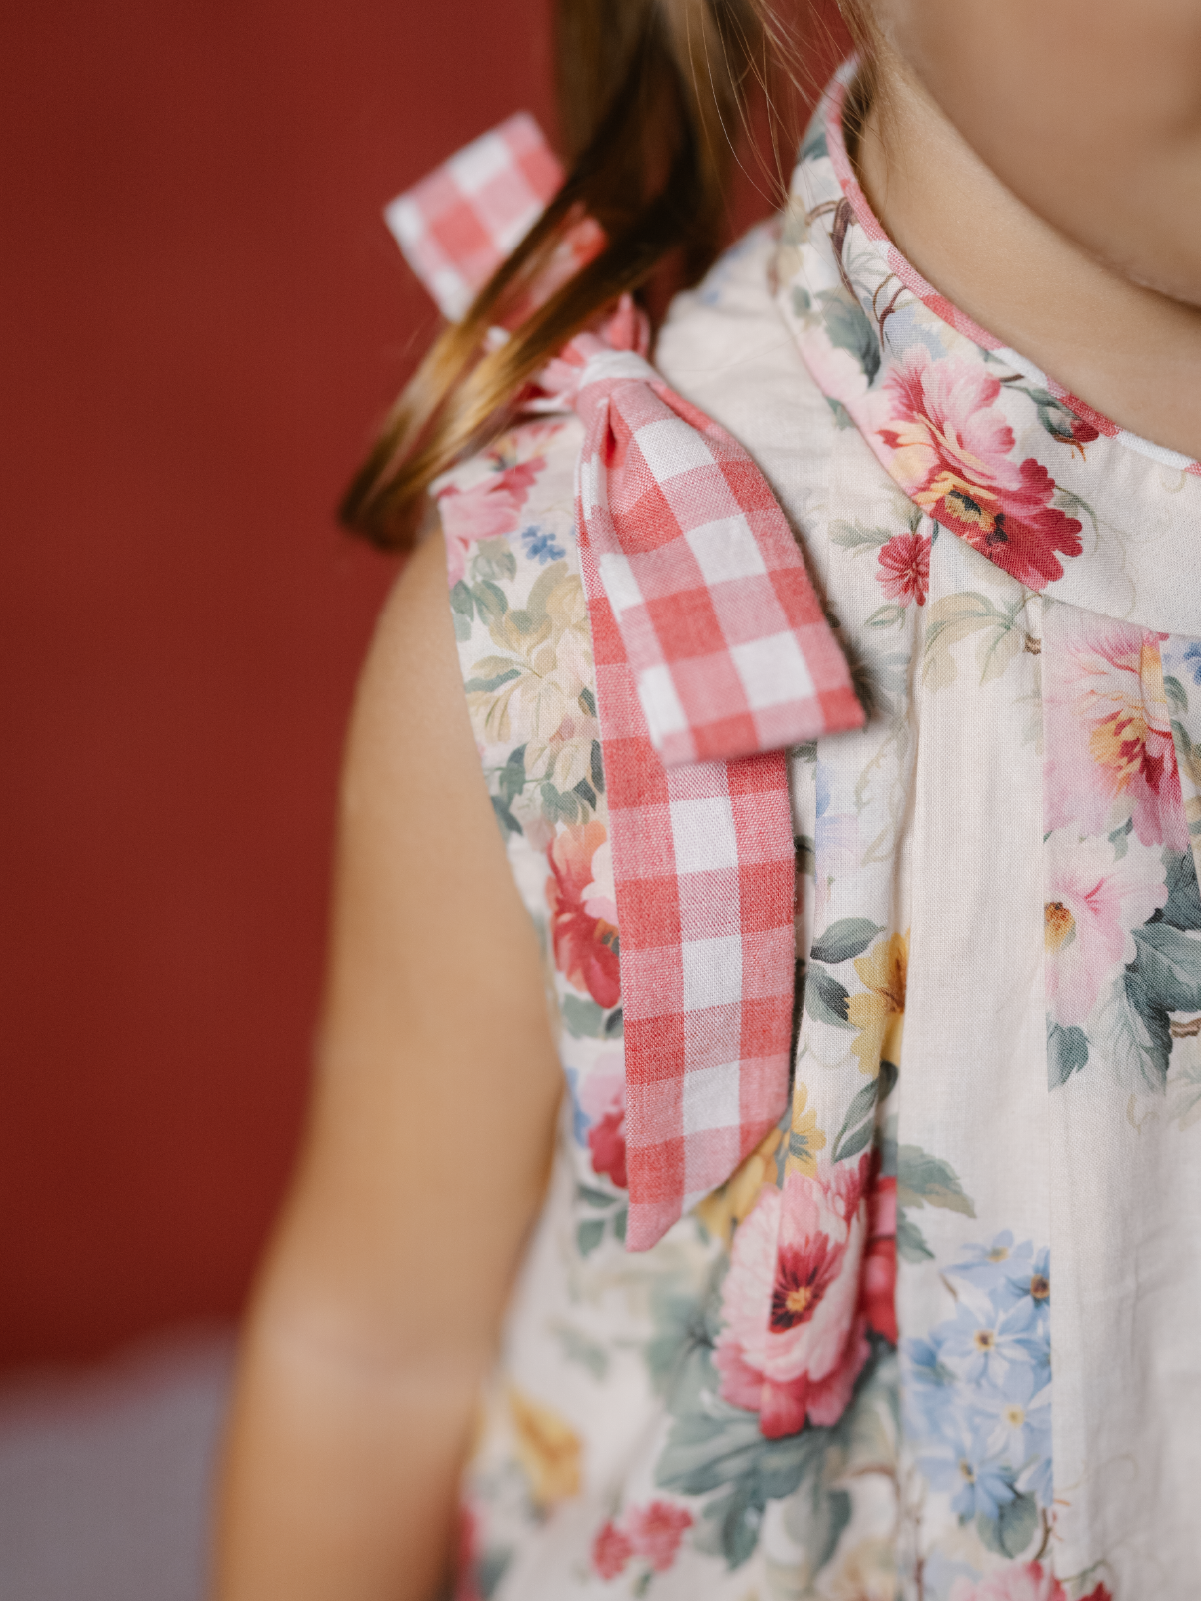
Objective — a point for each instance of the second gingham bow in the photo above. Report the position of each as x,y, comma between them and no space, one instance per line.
712,654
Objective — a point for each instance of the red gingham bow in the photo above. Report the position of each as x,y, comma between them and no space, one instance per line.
711,655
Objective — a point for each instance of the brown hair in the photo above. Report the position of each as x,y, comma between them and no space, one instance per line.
653,94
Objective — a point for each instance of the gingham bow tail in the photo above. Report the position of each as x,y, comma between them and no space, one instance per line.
711,655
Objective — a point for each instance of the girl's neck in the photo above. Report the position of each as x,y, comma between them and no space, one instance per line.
1129,352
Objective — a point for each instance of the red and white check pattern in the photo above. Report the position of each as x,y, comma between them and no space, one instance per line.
711,654
704,871
456,226
729,647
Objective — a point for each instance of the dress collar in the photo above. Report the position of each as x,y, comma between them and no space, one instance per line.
983,442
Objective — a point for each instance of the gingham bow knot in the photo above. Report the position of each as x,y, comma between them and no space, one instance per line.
711,654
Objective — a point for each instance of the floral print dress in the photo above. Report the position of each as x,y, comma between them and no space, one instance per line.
969,1367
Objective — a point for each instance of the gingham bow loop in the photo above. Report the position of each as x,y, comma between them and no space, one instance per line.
729,647
711,654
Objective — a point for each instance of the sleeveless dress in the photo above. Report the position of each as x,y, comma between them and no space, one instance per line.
998,1006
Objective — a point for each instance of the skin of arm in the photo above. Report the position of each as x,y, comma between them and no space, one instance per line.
437,1085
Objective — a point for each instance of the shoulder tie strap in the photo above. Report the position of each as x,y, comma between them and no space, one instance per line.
712,654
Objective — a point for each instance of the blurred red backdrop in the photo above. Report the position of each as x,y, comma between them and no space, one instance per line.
203,318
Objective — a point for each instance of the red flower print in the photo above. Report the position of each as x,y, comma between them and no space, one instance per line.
1016,1581
652,1532
611,1550
878,1286
466,1587
655,1532
607,1143
585,945
952,450
905,568
803,1275
1101,1593
485,511
811,1270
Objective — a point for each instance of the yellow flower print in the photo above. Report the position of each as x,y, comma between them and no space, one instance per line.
730,1202
806,1139
547,1447
880,1014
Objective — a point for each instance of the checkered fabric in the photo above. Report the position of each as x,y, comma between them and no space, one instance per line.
456,226
712,653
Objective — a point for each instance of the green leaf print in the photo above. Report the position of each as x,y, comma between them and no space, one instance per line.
854,536
490,601
461,601
954,618
817,1520
924,1180
715,1447
826,1000
488,686
1067,1053
886,616
1136,1034
911,1243
510,780
1169,964
1176,693
842,417
848,937
494,559
859,1125
585,1020
557,805
1012,1530
847,328
1183,909
589,1234
490,1570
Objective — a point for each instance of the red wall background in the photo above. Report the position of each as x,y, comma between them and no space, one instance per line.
202,319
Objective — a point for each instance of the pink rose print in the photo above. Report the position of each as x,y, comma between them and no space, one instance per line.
797,1301
656,1530
602,1099
1020,1581
1110,753
1093,903
584,944
652,1532
878,1292
466,1558
607,1143
611,1550
952,452
905,568
483,512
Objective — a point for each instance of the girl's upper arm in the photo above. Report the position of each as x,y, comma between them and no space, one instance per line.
437,1080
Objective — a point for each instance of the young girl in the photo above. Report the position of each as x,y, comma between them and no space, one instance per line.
883,583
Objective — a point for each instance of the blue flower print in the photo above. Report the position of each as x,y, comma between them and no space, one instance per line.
540,545
1027,1281
980,1344
1014,1417
960,1465
930,1385
1192,656
987,1265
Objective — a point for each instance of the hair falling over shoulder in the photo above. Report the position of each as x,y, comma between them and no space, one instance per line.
654,98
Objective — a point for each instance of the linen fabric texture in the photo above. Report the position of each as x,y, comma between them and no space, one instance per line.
935,1337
